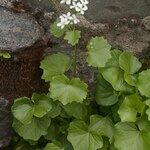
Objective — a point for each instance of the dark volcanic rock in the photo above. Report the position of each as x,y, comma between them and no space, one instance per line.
108,10
5,123
17,30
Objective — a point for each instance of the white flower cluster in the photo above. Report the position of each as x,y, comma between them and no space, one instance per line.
66,19
80,6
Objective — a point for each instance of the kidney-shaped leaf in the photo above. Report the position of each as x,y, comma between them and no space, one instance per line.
129,63
23,110
42,104
34,130
55,64
144,83
115,76
77,110
114,60
128,137
83,136
131,105
105,94
72,37
98,52
67,91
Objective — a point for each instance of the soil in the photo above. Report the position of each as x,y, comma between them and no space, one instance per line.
21,76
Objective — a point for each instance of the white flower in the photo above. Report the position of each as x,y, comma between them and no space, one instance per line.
75,19
80,6
74,5
68,2
85,2
64,20
62,23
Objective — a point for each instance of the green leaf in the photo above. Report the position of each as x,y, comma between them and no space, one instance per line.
55,64
34,130
114,60
115,76
73,37
23,110
148,110
67,145
23,145
143,124
42,104
54,146
55,111
77,110
53,131
83,136
57,31
131,105
143,83
67,91
98,52
130,79
102,125
82,139
128,137
129,63
105,144
105,94
5,54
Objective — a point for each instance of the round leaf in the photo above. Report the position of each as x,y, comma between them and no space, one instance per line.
54,65
131,105
98,52
23,110
83,136
105,94
129,63
42,104
128,137
72,37
80,113
114,60
34,130
67,91
115,76
144,83
130,79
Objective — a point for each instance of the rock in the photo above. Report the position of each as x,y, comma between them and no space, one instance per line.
7,3
43,5
146,22
18,30
109,10
130,39
5,123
